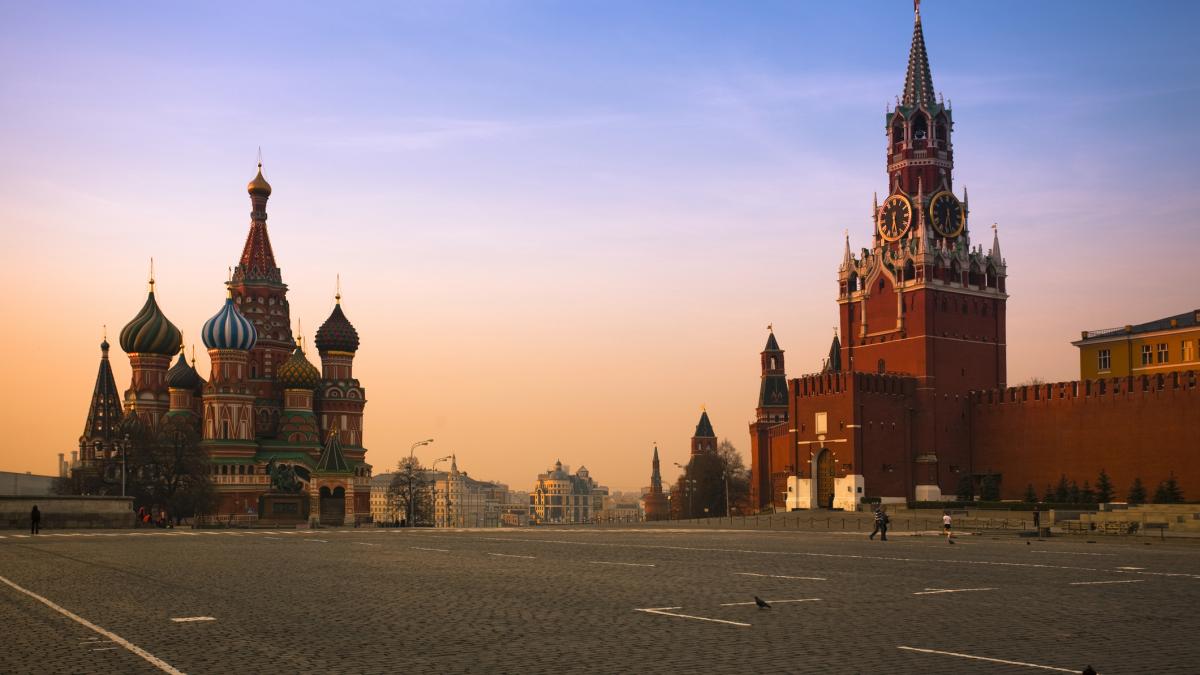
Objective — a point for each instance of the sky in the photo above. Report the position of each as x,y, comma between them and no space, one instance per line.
563,227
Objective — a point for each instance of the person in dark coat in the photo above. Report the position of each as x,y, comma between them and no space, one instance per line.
881,524
35,520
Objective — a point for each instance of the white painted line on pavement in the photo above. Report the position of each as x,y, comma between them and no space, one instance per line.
364,543
439,550
187,619
509,555
779,576
275,538
605,562
991,660
1038,550
105,649
934,591
150,658
659,610
21,536
320,541
769,602
951,561
1131,568
1093,583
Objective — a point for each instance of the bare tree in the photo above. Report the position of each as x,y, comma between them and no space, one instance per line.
411,491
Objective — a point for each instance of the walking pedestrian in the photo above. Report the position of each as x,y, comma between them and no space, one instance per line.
35,520
881,524
946,526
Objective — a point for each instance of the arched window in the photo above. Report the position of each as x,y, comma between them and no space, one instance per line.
852,283
941,131
910,271
991,277
955,272
975,276
897,135
920,131
772,363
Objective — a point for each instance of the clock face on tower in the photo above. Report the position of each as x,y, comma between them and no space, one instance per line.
895,217
946,214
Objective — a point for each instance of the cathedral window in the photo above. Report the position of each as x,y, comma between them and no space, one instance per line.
1147,355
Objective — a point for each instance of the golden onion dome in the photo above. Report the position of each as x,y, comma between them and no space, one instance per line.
259,186
298,372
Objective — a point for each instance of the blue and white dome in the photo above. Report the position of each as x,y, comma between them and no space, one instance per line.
229,329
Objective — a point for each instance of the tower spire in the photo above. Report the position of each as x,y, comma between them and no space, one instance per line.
918,82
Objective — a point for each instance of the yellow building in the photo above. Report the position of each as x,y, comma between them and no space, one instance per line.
1163,346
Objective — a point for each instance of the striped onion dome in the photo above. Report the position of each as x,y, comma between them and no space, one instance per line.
298,372
183,376
150,332
229,329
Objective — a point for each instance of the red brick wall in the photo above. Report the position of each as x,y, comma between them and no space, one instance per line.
1130,427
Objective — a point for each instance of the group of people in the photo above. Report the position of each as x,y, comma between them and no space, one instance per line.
882,521
146,517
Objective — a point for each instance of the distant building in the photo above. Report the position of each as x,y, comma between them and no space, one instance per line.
560,497
1170,345
383,508
654,503
14,484
462,501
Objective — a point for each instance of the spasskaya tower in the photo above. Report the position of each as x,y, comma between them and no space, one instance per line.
922,300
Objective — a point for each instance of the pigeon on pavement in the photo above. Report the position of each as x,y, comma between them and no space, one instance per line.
762,604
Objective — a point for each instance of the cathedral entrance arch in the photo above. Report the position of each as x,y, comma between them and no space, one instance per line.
825,479
333,505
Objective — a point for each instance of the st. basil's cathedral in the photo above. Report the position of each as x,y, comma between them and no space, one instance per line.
264,403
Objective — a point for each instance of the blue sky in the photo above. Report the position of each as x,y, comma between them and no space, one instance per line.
557,193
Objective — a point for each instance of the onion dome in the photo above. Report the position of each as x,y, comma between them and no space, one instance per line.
229,329
132,425
150,332
297,372
259,186
183,376
337,334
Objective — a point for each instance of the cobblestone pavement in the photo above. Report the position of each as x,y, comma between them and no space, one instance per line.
559,600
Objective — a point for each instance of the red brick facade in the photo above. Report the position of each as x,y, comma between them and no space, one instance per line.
922,313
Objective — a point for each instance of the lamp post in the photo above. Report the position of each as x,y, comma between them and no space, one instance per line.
411,509
124,451
434,469
725,476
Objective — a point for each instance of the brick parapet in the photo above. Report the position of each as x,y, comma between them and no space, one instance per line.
1085,390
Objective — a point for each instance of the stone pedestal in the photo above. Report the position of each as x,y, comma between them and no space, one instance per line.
284,508
847,491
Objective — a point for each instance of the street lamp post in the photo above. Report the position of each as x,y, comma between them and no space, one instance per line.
124,451
725,476
434,469
411,509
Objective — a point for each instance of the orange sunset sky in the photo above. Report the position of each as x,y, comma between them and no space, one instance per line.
561,229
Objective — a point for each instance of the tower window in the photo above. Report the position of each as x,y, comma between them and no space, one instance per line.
1104,360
